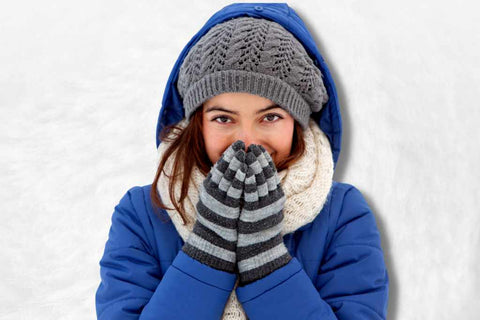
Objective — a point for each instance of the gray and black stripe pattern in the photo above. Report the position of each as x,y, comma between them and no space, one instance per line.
260,247
214,236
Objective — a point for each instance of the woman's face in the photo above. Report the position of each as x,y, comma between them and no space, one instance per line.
233,116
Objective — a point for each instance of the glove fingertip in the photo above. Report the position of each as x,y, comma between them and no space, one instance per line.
240,155
250,158
238,145
256,149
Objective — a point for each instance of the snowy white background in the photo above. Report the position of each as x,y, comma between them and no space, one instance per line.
81,85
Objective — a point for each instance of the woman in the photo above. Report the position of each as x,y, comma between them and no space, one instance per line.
243,219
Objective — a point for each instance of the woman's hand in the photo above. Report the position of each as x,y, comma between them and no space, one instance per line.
214,236
260,247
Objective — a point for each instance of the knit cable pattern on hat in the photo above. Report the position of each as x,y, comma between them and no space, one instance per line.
252,55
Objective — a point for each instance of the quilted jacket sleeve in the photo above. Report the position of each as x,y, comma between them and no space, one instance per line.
352,280
133,286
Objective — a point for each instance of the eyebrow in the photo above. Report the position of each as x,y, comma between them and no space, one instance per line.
215,108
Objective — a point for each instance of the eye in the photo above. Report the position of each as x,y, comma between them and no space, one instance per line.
224,119
270,115
220,117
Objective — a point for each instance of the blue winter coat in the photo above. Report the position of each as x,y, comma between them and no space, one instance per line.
337,271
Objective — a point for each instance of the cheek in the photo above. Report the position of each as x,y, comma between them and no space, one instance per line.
215,143
278,137
282,141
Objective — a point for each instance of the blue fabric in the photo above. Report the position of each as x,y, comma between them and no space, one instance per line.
337,271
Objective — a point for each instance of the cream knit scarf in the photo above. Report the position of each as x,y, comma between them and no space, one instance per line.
306,185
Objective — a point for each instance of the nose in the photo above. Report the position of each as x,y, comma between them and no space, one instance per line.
248,136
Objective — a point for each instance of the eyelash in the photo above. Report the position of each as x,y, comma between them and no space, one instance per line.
267,115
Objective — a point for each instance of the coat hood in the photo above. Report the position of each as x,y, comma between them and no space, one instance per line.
328,119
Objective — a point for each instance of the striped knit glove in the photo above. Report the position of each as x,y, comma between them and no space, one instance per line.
214,236
260,247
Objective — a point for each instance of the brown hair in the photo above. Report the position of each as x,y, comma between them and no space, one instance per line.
191,151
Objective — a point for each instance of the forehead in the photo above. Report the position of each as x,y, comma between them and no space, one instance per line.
239,102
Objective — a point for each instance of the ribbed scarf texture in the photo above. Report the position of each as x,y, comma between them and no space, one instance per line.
306,185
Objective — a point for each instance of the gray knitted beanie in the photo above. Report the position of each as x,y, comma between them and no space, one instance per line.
253,55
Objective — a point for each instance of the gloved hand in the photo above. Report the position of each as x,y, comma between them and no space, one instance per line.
214,236
260,247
